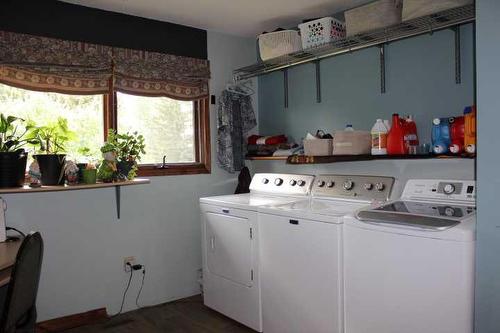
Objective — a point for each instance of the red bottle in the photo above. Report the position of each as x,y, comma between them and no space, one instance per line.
410,129
457,134
395,138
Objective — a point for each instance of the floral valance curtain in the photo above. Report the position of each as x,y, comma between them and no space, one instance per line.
49,64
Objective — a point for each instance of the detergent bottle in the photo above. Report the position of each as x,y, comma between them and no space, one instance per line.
379,138
440,135
470,129
395,137
411,135
457,127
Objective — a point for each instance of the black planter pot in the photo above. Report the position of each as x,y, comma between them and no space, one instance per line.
51,168
12,168
124,168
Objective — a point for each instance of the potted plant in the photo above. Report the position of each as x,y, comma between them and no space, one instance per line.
121,153
12,156
51,141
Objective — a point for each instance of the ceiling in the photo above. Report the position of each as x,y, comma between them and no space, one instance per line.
236,17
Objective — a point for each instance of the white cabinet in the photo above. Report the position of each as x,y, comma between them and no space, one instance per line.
301,275
230,263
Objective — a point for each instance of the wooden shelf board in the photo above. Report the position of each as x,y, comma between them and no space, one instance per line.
27,189
267,158
301,159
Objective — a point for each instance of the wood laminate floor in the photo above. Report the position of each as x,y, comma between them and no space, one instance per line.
187,315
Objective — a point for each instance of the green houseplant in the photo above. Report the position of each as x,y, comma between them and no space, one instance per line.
51,141
12,156
121,152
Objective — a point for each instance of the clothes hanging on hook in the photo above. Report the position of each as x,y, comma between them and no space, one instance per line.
235,117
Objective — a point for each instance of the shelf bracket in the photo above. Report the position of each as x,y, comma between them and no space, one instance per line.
458,56
382,68
318,82
118,200
285,87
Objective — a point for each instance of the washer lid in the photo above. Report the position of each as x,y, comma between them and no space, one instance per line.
425,215
324,210
465,231
247,201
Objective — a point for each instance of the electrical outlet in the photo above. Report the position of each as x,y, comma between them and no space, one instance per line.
128,260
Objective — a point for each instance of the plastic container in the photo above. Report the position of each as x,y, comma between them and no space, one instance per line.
395,137
387,124
278,43
457,134
318,147
440,135
470,129
351,142
417,8
348,127
321,31
373,16
411,134
379,138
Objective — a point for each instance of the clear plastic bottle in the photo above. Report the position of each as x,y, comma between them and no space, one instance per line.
379,138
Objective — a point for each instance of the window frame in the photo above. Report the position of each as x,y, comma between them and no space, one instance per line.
202,163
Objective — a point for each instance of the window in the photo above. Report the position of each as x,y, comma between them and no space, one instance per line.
84,114
176,129
167,125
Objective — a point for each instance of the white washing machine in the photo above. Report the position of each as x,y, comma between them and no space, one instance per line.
409,264
230,243
301,253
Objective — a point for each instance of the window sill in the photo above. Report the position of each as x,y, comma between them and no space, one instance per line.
172,170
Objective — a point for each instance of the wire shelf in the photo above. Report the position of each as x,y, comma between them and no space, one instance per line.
419,26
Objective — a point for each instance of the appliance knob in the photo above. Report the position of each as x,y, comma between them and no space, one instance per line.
330,184
293,182
380,187
368,186
278,181
348,185
449,211
301,182
449,189
265,180
321,183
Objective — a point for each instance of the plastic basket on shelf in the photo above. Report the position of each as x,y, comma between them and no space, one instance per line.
375,15
278,43
417,8
321,31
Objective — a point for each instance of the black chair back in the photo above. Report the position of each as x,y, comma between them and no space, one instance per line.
19,308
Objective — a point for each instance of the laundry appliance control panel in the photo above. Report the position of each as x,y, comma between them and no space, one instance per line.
282,183
353,186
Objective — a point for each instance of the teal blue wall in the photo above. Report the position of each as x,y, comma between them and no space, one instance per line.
488,162
420,81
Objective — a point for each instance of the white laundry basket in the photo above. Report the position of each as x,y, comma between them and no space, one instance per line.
416,8
321,31
278,43
373,16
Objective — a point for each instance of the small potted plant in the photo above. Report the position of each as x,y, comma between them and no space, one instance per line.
121,153
51,141
12,156
90,174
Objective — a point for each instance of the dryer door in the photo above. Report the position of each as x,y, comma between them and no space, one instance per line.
229,247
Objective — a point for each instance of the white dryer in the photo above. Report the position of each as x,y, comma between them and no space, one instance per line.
301,253
409,264
230,244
